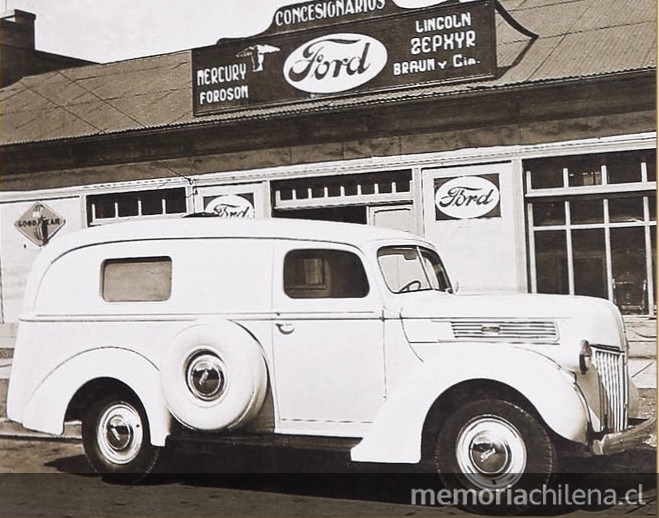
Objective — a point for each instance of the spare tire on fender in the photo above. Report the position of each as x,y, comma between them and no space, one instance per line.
213,376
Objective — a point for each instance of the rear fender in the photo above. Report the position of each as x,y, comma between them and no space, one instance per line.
396,434
47,406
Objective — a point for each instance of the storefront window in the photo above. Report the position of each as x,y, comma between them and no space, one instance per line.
353,189
102,208
603,245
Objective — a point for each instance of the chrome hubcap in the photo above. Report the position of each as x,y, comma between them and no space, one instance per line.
205,377
120,433
491,453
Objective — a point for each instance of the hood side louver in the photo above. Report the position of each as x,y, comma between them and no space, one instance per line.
534,331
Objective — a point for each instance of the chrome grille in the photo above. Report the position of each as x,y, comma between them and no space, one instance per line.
612,369
525,330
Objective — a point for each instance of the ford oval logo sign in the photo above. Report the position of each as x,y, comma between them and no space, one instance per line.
231,206
335,63
467,197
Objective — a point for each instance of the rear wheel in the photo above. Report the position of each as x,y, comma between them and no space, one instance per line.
117,441
491,446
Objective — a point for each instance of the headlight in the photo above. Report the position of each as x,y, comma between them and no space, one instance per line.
585,357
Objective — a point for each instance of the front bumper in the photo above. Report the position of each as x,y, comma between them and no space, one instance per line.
641,436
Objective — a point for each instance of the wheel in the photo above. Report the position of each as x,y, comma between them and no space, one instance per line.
494,448
213,377
115,434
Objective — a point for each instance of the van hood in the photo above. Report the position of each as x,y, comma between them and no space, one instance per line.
518,318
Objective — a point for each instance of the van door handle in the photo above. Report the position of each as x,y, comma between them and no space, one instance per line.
285,328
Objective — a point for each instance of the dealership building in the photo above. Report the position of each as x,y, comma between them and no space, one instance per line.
518,136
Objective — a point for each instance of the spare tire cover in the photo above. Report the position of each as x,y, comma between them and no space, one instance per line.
213,376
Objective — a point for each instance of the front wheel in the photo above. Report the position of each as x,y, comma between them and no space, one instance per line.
115,434
494,448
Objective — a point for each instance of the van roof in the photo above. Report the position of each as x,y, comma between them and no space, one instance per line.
349,233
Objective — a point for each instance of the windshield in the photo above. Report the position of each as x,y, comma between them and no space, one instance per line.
412,268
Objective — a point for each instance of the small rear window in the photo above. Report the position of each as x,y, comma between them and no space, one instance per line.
136,279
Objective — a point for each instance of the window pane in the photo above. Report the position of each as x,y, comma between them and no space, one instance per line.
589,257
403,185
629,270
104,206
174,201
438,277
350,188
623,167
652,204
127,203
586,211
549,213
584,170
402,269
551,262
650,158
385,187
151,202
137,279
368,188
312,274
625,209
546,173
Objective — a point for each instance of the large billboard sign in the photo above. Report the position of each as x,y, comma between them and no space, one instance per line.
345,47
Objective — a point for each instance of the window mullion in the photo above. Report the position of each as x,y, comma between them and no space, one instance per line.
570,253
532,261
607,245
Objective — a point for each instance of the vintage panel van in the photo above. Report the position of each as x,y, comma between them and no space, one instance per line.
208,328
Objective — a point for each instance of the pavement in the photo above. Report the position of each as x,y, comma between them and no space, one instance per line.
642,369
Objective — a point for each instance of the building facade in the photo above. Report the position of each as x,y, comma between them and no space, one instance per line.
529,158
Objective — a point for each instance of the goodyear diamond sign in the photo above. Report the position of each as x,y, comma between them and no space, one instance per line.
39,223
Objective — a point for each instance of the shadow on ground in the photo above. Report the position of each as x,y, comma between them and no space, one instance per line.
331,475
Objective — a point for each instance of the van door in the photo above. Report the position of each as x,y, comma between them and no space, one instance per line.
327,338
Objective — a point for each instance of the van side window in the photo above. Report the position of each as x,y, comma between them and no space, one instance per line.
136,279
314,274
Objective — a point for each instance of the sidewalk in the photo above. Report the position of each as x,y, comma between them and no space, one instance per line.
642,369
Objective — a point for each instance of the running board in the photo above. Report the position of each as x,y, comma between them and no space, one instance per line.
205,440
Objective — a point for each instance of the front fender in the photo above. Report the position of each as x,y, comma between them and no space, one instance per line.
46,408
395,435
